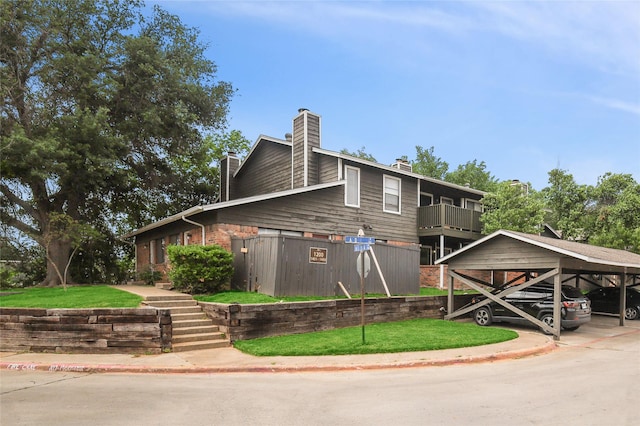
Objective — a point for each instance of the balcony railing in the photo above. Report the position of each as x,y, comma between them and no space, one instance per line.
440,217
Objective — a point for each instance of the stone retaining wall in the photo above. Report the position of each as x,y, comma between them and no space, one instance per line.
242,322
132,330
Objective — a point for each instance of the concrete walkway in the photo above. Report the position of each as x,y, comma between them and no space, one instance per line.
230,360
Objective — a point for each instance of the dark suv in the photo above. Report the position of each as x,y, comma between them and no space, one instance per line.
537,301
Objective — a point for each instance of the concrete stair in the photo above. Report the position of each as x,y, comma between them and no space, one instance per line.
191,329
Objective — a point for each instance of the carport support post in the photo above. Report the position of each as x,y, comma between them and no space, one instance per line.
450,293
623,296
557,302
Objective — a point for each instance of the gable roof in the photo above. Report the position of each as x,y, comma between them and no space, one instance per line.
232,203
259,142
580,251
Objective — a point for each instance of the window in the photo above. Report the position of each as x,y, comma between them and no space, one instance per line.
352,192
446,200
426,199
159,246
391,194
426,254
174,239
473,205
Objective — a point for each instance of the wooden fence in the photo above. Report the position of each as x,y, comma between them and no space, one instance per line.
280,265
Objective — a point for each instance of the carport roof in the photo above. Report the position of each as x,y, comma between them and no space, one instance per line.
591,254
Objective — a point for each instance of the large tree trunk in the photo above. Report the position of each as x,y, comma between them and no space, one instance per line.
58,257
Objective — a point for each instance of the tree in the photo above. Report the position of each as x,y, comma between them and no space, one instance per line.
473,174
567,203
360,153
613,218
63,228
101,108
513,206
427,164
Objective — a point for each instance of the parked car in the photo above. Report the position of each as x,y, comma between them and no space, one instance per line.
537,301
607,299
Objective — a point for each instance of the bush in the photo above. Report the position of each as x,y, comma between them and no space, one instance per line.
200,269
150,276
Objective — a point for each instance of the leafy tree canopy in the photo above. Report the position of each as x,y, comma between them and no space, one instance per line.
613,217
104,110
567,203
428,164
360,153
473,174
513,206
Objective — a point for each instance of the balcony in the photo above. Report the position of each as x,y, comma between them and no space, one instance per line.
444,219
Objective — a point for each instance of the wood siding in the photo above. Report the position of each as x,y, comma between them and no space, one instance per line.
268,170
306,135
280,266
323,212
505,254
327,168
400,227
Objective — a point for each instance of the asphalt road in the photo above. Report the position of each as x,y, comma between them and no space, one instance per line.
592,379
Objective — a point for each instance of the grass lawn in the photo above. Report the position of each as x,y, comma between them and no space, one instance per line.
403,336
100,296
245,298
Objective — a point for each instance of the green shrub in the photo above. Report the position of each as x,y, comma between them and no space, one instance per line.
200,269
150,276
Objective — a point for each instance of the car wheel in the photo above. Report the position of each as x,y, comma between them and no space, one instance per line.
482,316
631,313
548,320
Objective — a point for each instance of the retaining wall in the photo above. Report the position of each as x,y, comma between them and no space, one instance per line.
242,322
130,330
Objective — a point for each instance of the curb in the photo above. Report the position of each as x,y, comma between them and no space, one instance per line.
119,368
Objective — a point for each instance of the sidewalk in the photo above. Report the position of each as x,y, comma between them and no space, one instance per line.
230,360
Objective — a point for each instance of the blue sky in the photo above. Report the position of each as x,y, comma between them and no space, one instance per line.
526,86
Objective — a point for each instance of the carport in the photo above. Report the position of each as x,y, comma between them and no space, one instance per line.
532,259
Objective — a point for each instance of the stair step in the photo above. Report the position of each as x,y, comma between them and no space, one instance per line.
191,323
205,344
164,286
180,310
171,303
176,296
196,330
188,316
184,338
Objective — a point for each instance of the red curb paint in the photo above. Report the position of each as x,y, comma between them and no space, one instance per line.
117,368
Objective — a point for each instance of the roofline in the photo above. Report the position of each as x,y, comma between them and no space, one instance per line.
398,171
523,238
232,203
255,145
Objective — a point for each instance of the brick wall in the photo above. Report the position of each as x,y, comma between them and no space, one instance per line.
242,322
430,276
85,330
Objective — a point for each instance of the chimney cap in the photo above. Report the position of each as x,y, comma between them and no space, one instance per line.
301,110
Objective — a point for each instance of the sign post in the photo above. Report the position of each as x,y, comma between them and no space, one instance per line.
362,244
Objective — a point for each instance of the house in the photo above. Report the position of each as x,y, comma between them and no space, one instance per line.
293,187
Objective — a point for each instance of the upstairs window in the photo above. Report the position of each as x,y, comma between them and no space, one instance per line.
391,194
352,189
446,200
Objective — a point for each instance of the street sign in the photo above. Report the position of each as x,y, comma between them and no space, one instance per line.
351,239
361,247
367,264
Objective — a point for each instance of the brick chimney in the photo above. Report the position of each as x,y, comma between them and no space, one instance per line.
306,135
228,167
